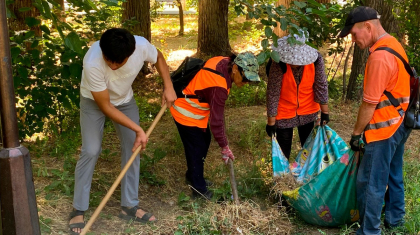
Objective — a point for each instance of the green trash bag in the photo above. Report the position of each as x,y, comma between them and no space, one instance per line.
329,199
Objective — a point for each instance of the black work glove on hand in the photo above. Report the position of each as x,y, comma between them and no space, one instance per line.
324,117
354,142
271,130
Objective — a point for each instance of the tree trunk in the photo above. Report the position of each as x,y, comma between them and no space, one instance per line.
18,23
61,12
346,62
138,10
323,1
277,29
357,68
181,17
360,56
213,38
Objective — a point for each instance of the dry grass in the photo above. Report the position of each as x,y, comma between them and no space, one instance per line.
283,184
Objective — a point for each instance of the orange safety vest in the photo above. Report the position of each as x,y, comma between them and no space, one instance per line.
189,111
386,119
297,99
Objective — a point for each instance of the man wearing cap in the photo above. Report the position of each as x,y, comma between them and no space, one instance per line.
297,90
380,123
192,116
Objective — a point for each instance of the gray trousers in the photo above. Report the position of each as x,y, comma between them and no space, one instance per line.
92,122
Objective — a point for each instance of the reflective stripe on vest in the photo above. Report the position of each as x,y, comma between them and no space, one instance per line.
297,99
386,119
190,112
387,103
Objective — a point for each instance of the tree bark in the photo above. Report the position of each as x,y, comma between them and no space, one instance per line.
323,1
62,11
213,38
18,23
360,56
277,30
138,10
346,62
181,17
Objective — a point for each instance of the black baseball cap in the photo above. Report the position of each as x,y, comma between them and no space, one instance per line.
358,14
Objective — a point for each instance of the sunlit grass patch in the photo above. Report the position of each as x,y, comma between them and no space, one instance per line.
412,195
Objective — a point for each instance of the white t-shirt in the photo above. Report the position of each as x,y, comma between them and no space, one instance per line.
98,76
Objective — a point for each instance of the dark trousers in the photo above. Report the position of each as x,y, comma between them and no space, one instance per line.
196,143
285,137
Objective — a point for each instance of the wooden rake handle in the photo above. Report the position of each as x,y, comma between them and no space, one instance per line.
121,175
233,182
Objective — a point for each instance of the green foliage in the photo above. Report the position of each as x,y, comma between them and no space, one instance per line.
359,86
47,66
254,182
63,182
246,31
45,224
412,194
183,199
147,167
247,95
409,22
192,4
253,138
335,88
323,22
147,110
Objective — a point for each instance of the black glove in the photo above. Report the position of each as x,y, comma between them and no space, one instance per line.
271,130
354,142
324,117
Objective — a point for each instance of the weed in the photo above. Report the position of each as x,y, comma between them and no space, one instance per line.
45,224
346,229
147,111
248,95
107,155
335,89
183,200
254,181
198,222
146,167
64,183
253,138
96,197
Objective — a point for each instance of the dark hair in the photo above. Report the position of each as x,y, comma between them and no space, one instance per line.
231,63
117,44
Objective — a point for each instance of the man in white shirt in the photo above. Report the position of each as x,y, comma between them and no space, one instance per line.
109,69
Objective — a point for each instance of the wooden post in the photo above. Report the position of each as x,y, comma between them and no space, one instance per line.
19,214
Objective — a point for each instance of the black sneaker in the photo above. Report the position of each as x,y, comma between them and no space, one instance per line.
207,195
